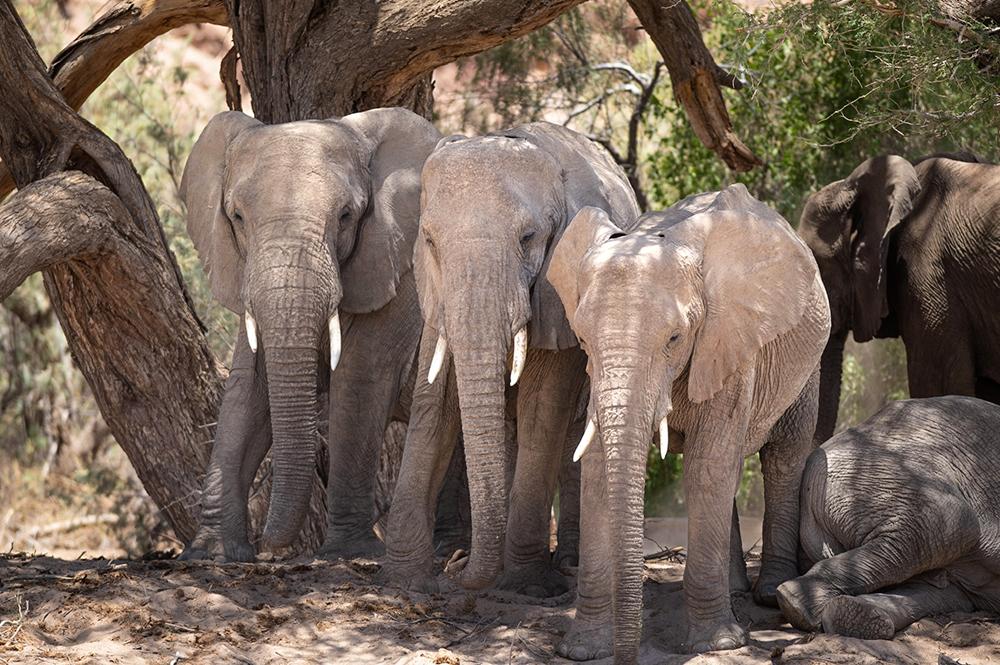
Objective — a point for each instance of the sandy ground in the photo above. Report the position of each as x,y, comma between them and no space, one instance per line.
171,612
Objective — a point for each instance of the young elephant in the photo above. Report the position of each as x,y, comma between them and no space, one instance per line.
492,209
900,516
705,324
306,229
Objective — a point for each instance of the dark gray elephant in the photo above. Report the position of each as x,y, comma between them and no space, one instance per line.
306,229
912,251
492,209
703,326
899,520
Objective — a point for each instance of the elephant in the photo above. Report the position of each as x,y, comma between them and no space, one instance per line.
912,250
492,209
899,520
703,327
306,229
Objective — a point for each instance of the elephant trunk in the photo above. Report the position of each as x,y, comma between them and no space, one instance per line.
831,370
292,299
626,425
478,321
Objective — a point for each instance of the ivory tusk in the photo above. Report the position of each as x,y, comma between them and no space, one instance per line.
588,436
664,438
438,359
520,351
334,326
251,327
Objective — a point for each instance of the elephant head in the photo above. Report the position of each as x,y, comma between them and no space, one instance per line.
668,313
296,225
847,226
492,208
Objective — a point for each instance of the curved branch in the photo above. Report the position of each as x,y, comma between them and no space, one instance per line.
124,29
65,216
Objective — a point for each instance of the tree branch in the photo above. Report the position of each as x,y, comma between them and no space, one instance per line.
695,77
125,28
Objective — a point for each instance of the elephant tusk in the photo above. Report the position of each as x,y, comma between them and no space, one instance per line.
664,438
251,327
438,359
588,436
334,340
520,351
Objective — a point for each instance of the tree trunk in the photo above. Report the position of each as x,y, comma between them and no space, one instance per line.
127,323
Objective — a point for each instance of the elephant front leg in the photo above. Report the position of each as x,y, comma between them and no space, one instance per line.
547,399
879,616
375,363
568,533
243,436
711,623
783,460
430,442
591,635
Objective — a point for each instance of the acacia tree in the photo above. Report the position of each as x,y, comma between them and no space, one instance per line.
82,216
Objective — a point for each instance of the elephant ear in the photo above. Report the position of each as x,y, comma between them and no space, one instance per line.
588,229
211,230
887,188
590,178
425,270
396,143
757,279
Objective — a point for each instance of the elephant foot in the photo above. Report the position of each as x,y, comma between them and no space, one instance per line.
538,580
367,546
451,541
716,636
854,616
765,591
587,641
803,599
211,547
566,559
408,579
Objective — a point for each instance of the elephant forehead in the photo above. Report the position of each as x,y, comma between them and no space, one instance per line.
488,160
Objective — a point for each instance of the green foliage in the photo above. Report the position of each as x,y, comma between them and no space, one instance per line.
829,85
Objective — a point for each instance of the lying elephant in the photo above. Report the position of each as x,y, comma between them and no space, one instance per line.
306,230
901,516
705,324
492,210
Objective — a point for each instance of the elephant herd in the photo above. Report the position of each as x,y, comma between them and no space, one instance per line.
503,295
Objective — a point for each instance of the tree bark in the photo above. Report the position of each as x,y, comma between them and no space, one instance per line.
112,281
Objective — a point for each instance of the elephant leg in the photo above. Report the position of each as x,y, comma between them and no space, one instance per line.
547,399
453,523
783,460
940,366
430,441
375,363
738,580
711,623
590,636
879,616
568,532
242,439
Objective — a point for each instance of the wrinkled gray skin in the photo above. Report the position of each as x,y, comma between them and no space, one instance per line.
712,315
900,518
912,251
294,224
492,209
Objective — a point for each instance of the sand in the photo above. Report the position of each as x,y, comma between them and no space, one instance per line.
180,613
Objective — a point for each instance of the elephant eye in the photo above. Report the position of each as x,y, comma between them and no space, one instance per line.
674,338
427,239
345,214
526,238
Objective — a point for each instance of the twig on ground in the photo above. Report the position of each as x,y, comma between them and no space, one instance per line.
18,623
